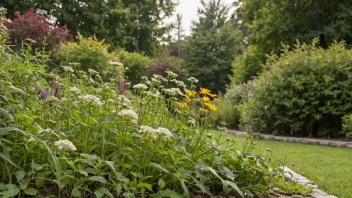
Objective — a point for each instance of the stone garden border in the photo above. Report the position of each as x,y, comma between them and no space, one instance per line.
317,193
321,142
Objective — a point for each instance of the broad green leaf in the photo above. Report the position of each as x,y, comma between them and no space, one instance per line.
17,90
76,192
103,191
145,185
161,183
12,191
19,175
98,178
168,193
30,191
2,187
3,99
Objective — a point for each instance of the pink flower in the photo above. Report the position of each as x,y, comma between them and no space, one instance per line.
293,165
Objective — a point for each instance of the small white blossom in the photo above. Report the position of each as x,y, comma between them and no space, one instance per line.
155,133
164,131
92,71
129,113
75,90
140,86
68,68
171,74
192,79
179,83
93,99
65,145
173,91
123,100
115,63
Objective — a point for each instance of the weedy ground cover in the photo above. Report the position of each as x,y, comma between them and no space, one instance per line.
71,134
327,167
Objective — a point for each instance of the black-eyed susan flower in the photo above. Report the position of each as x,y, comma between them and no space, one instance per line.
205,100
182,104
204,91
211,106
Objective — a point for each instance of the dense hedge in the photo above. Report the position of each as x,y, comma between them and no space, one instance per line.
304,92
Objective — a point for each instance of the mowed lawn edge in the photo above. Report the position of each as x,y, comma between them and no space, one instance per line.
328,167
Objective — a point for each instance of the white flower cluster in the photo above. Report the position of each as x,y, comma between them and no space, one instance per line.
75,90
115,63
173,91
192,79
178,83
93,99
155,132
124,101
129,113
171,74
140,86
65,145
92,71
67,69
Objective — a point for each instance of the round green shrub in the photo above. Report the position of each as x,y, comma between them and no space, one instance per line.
304,92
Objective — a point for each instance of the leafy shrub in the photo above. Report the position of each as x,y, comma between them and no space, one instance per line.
89,53
36,28
247,65
164,63
137,64
304,92
347,125
80,138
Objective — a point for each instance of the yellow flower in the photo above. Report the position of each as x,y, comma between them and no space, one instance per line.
212,95
190,94
204,91
205,100
182,104
211,106
203,110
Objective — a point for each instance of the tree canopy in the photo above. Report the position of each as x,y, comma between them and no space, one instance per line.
130,24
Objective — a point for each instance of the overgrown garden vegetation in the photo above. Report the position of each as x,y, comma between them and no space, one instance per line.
72,134
100,99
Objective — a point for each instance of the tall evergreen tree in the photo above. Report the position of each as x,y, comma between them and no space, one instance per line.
212,45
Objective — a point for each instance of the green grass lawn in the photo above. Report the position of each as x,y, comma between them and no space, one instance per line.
329,168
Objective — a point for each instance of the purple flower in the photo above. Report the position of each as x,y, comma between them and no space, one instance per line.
293,165
43,95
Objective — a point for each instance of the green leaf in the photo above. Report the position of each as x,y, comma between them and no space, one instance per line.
30,191
19,175
36,166
5,130
76,192
233,185
2,187
146,185
3,99
98,178
12,191
168,193
161,183
4,113
103,191
15,89
158,166
7,158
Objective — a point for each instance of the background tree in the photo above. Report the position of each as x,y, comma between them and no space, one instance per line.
269,23
210,49
130,24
